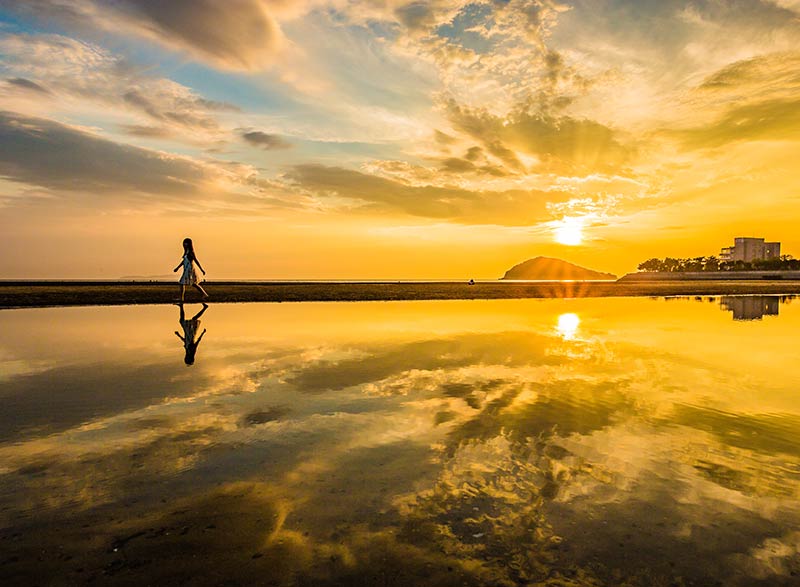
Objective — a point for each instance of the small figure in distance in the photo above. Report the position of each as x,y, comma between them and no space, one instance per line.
189,332
189,276
471,282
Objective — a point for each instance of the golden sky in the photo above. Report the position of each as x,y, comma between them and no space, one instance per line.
392,138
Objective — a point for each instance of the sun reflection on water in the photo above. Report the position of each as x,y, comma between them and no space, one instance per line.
568,325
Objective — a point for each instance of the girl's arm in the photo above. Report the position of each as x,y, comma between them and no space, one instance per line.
201,337
179,336
178,267
199,265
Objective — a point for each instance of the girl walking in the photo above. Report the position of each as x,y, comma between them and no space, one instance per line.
189,276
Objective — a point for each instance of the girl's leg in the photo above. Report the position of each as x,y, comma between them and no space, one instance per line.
183,292
201,290
200,313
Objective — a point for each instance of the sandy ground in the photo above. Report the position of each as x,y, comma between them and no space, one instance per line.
41,294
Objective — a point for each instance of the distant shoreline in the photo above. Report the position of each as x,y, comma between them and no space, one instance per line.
773,274
32,294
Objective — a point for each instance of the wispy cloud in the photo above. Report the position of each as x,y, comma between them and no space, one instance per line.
510,207
54,65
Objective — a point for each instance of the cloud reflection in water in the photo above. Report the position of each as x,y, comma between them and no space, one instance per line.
425,443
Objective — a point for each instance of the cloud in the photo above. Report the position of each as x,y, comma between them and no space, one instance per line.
375,364
49,154
26,84
579,145
148,132
138,100
511,431
266,141
87,394
510,207
769,120
443,138
772,76
774,70
467,165
747,100
236,35
492,50
789,4
65,67
415,16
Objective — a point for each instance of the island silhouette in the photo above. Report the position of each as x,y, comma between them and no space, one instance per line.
548,268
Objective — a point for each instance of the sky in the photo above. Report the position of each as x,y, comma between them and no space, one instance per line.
347,139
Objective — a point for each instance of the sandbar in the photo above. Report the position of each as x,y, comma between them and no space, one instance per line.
29,294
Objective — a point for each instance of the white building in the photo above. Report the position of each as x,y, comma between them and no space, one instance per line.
749,249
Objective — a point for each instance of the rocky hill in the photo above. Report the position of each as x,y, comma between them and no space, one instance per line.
553,269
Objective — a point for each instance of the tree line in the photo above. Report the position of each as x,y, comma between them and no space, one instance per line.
673,265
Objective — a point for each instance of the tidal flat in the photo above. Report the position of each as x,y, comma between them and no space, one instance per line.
20,294
591,441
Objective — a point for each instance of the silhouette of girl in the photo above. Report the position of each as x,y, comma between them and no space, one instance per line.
190,328
189,276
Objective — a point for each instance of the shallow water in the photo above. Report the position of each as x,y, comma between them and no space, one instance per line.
617,441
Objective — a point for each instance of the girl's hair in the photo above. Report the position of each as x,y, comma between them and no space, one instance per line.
187,244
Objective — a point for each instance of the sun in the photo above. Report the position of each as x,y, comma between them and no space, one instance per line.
569,231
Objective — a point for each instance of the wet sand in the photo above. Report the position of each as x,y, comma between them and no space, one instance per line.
45,294
432,444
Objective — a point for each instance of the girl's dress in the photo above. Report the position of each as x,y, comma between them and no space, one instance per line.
189,331
189,276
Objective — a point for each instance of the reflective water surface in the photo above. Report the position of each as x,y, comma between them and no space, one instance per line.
546,442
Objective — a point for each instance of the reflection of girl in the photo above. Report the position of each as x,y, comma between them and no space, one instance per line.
190,328
189,276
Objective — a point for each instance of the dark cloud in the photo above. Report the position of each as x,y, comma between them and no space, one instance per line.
465,165
258,417
237,34
49,154
510,207
456,164
555,65
473,153
216,105
416,15
26,84
268,142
